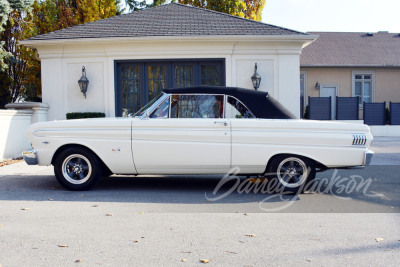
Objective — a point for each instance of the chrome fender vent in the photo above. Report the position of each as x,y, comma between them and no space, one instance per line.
359,139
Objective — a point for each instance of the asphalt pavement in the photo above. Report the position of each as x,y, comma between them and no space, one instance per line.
349,217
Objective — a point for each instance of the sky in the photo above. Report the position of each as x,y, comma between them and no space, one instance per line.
334,15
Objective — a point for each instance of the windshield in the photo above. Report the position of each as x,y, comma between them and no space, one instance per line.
143,109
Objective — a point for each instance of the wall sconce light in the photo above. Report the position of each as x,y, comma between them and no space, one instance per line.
256,78
83,82
317,85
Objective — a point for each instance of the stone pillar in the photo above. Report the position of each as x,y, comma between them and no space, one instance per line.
39,109
39,114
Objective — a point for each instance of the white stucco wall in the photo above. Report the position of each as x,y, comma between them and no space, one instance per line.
94,101
13,124
277,59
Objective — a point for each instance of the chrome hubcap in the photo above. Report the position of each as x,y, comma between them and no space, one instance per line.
76,169
292,172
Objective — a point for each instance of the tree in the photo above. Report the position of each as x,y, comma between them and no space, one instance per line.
51,15
6,7
19,60
139,5
22,77
12,13
136,5
250,9
107,8
158,2
232,7
254,9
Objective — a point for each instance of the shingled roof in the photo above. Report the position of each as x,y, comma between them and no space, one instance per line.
380,49
167,20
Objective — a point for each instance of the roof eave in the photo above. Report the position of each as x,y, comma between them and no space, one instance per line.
297,37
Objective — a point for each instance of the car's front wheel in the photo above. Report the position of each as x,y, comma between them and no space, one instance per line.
291,173
77,169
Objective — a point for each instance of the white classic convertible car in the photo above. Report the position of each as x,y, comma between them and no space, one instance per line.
199,130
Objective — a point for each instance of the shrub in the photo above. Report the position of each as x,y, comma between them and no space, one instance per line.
85,115
307,112
387,116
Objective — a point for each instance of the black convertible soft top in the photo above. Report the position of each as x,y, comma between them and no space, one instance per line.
260,103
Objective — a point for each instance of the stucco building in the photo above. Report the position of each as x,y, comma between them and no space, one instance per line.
130,58
352,64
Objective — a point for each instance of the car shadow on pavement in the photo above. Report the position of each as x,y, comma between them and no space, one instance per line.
373,184
363,249
141,189
373,189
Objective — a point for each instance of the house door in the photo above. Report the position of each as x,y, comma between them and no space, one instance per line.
330,91
138,82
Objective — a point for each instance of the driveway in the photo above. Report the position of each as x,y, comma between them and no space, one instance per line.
164,220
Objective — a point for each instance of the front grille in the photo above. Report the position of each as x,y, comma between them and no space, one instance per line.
359,139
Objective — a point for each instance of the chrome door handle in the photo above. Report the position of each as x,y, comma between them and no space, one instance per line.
223,122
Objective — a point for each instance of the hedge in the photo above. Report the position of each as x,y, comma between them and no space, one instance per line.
84,115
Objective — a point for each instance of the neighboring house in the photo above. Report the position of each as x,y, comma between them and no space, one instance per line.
131,58
352,64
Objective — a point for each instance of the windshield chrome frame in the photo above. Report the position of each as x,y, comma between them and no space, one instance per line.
147,112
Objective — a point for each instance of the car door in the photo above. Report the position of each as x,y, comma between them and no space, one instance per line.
245,131
186,134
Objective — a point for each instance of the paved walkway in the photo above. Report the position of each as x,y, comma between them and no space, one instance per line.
21,168
387,151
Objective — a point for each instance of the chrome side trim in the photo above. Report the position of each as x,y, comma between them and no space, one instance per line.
30,157
333,131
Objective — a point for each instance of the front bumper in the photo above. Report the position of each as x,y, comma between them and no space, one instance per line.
368,157
30,157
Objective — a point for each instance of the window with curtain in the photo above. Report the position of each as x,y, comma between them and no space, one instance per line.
363,84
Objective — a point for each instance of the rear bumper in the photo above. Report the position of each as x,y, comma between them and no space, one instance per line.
368,157
30,157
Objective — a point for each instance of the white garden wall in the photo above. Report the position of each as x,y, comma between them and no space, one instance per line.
378,130
13,124
385,130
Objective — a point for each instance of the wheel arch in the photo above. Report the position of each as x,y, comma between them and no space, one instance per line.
67,146
317,164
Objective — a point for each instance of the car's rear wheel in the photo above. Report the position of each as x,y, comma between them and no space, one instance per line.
77,169
291,173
